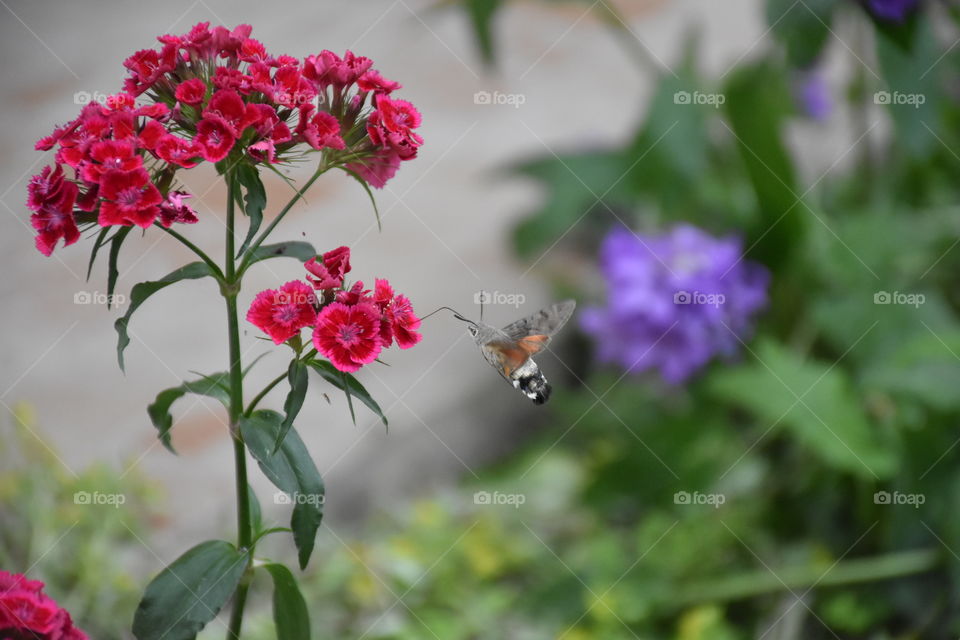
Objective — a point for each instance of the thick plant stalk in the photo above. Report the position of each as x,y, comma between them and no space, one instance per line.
230,290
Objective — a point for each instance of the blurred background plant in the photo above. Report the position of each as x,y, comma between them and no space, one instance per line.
80,532
805,483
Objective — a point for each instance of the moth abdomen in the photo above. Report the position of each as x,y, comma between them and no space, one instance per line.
529,380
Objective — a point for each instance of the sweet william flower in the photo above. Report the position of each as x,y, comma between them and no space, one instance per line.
349,336
52,198
196,98
26,613
173,209
129,198
282,313
191,92
214,138
319,130
391,126
377,169
329,273
228,107
403,322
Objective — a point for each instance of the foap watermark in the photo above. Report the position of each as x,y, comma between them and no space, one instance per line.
712,499
699,297
97,297
498,98
514,300
512,499
899,297
897,98
98,498
282,497
86,97
698,97
896,498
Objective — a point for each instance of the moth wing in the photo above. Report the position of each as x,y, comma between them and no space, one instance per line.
537,328
508,355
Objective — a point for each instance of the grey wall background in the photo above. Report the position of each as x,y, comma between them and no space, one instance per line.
446,219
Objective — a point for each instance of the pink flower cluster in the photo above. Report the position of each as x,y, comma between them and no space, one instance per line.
26,613
351,326
214,95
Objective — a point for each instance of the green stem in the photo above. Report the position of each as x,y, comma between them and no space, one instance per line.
763,582
321,169
230,290
197,250
253,403
280,378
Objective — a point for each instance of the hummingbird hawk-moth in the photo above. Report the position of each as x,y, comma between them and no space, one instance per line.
510,350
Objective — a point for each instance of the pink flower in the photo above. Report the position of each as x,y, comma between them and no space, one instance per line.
151,134
191,91
331,270
373,81
214,139
349,336
282,313
174,209
147,66
228,107
378,168
403,322
321,130
382,293
178,151
353,295
328,68
27,613
52,198
129,198
109,155
392,125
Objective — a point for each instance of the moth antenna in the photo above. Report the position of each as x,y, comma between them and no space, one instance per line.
483,294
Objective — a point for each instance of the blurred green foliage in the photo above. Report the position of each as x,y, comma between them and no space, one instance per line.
70,529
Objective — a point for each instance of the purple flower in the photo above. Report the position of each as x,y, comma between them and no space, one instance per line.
814,95
892,10
674,300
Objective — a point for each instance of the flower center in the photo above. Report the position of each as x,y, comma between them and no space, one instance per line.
350,334
129,197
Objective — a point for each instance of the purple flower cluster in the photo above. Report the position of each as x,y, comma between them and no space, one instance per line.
675,300
892,10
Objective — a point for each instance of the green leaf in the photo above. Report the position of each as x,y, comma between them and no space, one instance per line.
185,596
256,514
144,290
348,384
366,187
255,199
100,242
302,251
828,419
213,386
297,377
758,103
290,613
912,91
481,13
802,27
291,469
112,271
